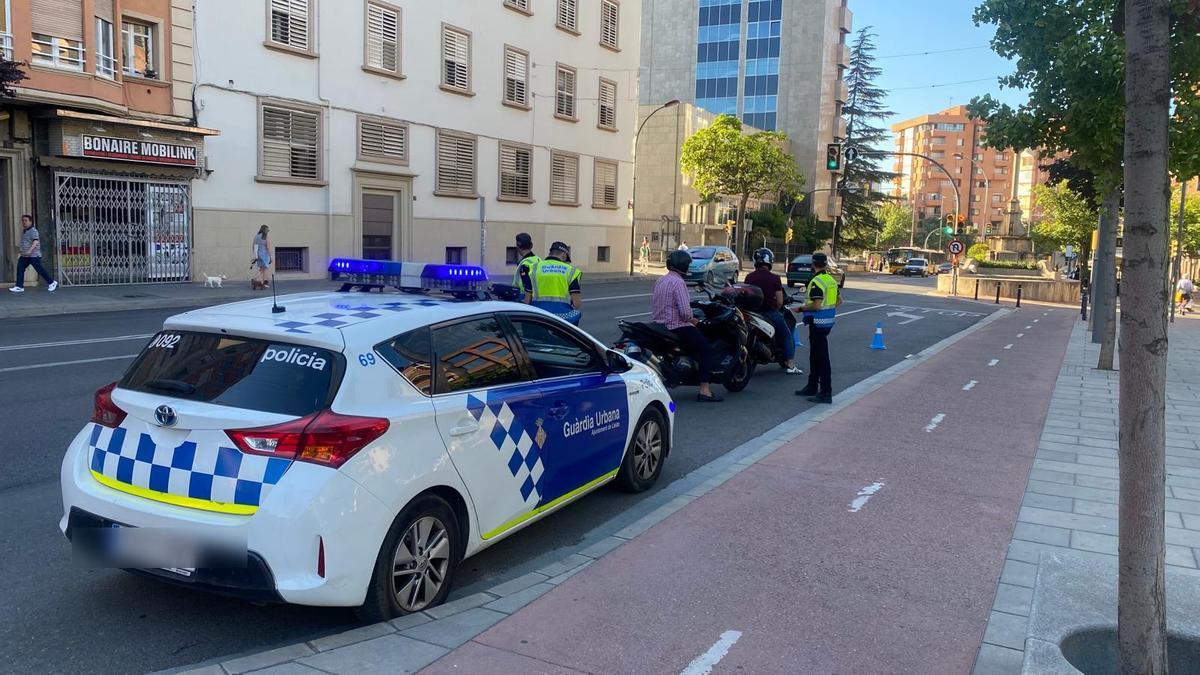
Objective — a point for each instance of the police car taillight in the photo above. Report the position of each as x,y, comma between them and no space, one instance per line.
104,411
324,437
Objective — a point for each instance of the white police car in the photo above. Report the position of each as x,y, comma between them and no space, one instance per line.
353,448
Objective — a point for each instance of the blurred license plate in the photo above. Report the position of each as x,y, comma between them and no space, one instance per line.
181,571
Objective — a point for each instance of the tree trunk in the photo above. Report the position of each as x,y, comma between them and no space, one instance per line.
1104,275
1106,322
1141,623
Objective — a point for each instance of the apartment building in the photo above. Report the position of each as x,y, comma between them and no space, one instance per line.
985,180
427,131
99,144
776,65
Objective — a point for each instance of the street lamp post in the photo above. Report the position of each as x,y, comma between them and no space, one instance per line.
633,225
957,198
987,189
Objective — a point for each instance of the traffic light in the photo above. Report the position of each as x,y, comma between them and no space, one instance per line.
833,157
959,223
948,230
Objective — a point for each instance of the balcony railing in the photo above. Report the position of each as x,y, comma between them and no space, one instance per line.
106,66
6,45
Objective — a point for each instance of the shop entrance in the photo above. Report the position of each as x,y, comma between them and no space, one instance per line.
115,230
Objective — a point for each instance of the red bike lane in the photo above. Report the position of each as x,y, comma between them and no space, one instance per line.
871,543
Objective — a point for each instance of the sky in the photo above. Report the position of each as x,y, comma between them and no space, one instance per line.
921,26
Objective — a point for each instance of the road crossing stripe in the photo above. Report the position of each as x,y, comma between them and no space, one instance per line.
66,363
68,343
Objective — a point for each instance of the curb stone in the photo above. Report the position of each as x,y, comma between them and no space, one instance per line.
512,595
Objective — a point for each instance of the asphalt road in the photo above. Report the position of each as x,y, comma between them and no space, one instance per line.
60,618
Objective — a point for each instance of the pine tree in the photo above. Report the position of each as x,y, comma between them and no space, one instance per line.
10,74
863,110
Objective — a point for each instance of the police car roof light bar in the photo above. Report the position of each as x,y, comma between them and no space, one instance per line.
458,280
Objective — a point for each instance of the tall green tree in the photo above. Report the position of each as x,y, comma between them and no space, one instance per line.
1068,219
865,112
896,220
723,160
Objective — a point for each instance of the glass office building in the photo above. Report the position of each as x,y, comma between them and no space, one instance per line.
719,49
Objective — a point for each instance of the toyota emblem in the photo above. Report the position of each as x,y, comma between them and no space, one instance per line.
165,416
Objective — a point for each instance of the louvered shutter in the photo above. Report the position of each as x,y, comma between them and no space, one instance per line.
289,23
59,18
610,13
608,104
604,184
519,4
568,14
564,179
378,139
455,164
290,143
516,74
515,171
103,9
564,99
456,54
383,38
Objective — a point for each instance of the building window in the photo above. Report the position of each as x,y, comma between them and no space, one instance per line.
568,16
519,5
610,24
608,105
511,255
383,38
456,255
291,259
604,184
455,165
291,144
564,93
5,30
516,172
57,52
938,140
516,77
564,179
1001,171
603,253
137,49
456,60
106,59
289,24
382,140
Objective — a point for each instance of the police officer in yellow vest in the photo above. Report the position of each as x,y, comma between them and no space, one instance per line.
525,259
820,313
553,284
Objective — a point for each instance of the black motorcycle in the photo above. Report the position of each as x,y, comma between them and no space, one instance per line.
721,321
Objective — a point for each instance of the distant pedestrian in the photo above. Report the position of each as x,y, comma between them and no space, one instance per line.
262,257
644,254
1186,289
682,246
31,256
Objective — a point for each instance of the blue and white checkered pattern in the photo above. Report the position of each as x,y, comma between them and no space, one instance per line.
208,472
514,443
345,315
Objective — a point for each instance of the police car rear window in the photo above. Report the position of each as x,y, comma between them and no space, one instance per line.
273,377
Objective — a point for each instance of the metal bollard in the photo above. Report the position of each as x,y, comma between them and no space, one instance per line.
997,292
1083,304
976,289
1018,295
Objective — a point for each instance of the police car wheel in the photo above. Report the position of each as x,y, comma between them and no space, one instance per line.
416,564
644,458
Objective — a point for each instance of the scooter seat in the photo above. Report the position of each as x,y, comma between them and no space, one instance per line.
657,330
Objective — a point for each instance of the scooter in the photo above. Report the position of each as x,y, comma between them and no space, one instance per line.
720,320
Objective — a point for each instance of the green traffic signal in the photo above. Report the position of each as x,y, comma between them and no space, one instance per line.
948,230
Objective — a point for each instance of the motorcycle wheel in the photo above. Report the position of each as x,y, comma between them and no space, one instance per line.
739,375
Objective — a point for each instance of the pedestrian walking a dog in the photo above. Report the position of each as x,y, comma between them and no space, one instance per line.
262,257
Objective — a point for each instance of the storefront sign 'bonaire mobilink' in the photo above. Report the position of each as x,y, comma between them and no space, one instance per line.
139,151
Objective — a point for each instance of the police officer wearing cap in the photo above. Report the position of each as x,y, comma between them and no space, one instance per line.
820,313
525,259
553,284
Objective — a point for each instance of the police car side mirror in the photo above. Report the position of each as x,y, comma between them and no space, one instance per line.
616,362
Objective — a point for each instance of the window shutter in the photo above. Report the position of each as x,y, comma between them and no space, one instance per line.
519,4
378,139
383,38
290,143
610,13
568,14
515,171
516,73
456,54
60,18
455,164
564,99
289,23
103,9
608,104
604,184
564,179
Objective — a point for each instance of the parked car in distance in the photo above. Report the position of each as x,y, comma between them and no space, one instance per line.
800,271
945,268
915,267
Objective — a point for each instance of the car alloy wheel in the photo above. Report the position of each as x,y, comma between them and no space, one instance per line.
420,563
647,449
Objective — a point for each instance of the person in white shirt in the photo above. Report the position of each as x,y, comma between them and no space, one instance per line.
1186,288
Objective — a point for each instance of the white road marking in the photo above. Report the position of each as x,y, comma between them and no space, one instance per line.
1008,346
68,343
911,317
864,309
933,423
66,363
619,297
1020,335
703,664
1036,320
909,356
970,385
1029,327
630,316
993,362
864,494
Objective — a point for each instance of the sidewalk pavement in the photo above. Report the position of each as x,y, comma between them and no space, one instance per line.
35,301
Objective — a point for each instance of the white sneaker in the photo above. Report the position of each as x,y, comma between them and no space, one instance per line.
52,287
16,289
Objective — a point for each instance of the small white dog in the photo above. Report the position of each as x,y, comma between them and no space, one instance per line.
214,282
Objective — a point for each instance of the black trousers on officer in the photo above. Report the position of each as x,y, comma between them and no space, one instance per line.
820,374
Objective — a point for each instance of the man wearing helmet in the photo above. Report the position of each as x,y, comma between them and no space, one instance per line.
772,289
672,307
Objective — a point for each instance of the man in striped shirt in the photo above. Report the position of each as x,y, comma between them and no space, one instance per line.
671,307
